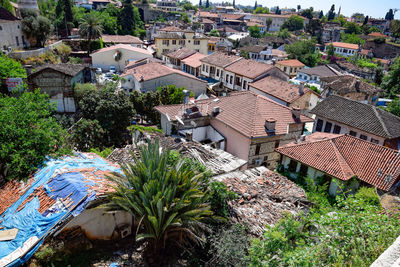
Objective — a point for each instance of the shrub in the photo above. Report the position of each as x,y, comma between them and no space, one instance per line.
219,197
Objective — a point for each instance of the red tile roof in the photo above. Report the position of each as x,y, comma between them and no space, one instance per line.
249,68
194,60
290,63
171,29
245,112
220,59
278,88
121,39
377,34
344,45
345,156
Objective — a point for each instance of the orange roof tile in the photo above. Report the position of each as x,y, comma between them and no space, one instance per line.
377,34
194,60
290,63
345,156
249,68
345,45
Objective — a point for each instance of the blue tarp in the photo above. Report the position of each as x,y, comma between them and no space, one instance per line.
59,180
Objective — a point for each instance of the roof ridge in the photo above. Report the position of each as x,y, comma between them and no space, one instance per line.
380,121
311,142
341,157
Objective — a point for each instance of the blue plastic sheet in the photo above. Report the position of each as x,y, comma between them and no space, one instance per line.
65,182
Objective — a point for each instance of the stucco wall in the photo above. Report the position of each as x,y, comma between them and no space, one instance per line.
106,59
189,44
9,30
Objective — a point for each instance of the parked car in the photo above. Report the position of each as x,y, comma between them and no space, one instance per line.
99,71
113,69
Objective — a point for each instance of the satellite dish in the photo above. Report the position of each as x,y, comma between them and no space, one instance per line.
179,120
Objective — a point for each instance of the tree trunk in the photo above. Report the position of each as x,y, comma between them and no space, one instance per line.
89,41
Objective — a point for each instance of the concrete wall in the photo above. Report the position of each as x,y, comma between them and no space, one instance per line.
277,100
106,59
206,132
307,101
189,44
99,224
9,32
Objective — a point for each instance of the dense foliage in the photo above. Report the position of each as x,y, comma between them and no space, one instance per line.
391,82
294,23
352,232
304,51
10,68
394,107
90,28
28,134
36,26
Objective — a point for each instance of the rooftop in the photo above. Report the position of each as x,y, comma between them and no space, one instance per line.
264,197
220,59
344,45
254,48
7,15
345,84
68,69
121,39
290,63
373,120
123,46
194,60
377,34
245,112
345,156
249,68
321,71
181,53
278,88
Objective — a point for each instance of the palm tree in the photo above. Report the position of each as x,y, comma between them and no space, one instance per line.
90,28
164,197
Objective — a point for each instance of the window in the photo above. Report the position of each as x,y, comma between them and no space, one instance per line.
258,147
374,141
238,81
1,28
244,84
181,42
276,143
328,127
336,129
265,158
292,166
320,123
204,67
352,133
174,42
303,170
217,72
196,42
231,79
363,137
16,39
227,78
284,69
165,42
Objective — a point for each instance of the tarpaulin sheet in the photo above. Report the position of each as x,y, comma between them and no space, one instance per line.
29,222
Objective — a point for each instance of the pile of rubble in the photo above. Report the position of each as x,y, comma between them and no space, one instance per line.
215,160
264,197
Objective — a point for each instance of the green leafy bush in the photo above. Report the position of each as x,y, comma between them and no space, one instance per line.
219,197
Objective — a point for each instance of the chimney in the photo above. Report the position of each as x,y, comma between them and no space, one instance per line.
301,88
186,96
270,124
296,113
141,78
216,111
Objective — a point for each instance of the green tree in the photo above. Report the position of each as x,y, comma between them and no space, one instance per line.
391,82
255,5
64,51
254,31
294,23
200,3
303,51
394,28
351,38
10,68
214,32
207,3
166,198
308,13
111,109
330,51
277,11
108,22
268,23
331,13
28,134
394,107
352,27
7,5
379,75
87,134
321,14
35,26
283,33
389,15
129,18
64,15
90,28
261,10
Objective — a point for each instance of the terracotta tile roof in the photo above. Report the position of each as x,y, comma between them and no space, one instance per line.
233,16
254,48
249,68
123,46
361,116
345,84
345,156
169,35
121,39
245,112
377,34
291,63
213,39
206,14
365,52
68,69
344,45
253,23
207,21
321,71
383,61
278,88
220,59
171,29
227,29
154,70
194,60
181,53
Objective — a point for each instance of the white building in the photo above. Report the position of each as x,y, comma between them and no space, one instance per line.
11,35
344,49
118,55
277,20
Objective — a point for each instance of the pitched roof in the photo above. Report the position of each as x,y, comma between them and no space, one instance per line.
278,88
171,29
344,45
7,15
345,84
206,14
254,48
169,35
245,112
121,39
249,68
345,156
377,34
154,70
253,23
290,63
194,60
181,53
123,46
220,59
365,117
68,69
321,71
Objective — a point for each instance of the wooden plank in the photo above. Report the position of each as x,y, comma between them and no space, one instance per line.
8,234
